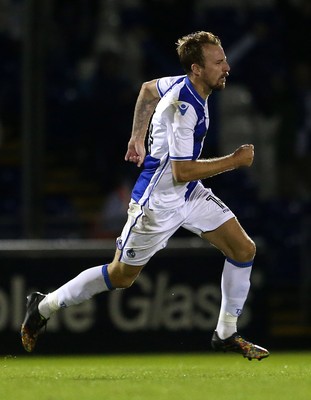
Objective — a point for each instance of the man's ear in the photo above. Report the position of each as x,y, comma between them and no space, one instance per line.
196,69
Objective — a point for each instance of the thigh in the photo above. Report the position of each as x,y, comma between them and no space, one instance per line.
232,240
205,211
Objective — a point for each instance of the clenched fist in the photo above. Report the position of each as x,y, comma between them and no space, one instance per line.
244,155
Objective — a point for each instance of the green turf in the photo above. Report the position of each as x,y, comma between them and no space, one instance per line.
283,376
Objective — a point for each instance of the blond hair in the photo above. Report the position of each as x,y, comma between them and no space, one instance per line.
189,48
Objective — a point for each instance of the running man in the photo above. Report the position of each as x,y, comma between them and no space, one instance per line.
169,194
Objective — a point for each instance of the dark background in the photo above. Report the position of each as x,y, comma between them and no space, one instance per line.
70,72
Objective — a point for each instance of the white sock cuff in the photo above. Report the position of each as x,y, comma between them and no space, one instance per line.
227,317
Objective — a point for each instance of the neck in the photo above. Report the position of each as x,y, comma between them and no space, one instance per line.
203,90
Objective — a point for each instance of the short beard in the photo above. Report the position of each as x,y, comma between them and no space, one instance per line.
219,87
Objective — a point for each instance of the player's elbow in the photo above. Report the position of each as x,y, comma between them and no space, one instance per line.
149,90
181,171
180,176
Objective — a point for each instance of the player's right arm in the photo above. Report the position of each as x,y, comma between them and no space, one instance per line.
147,100
146,103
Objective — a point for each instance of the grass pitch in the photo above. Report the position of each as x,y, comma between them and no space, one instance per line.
282,376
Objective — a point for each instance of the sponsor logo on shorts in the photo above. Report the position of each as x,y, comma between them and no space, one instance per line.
131,253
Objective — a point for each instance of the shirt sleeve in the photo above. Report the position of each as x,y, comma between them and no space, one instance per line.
164,84
183,119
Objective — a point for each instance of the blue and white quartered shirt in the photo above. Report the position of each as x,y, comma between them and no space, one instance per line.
177,132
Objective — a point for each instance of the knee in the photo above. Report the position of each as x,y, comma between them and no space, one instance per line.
122,276
246,252
249,250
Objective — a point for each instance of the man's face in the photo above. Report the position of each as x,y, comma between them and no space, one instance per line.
216,68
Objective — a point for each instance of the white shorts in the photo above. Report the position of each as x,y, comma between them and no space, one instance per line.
147,231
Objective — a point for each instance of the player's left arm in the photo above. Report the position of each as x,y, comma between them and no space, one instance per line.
191,170
182,119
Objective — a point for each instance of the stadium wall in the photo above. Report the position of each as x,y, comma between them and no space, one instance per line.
173,306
